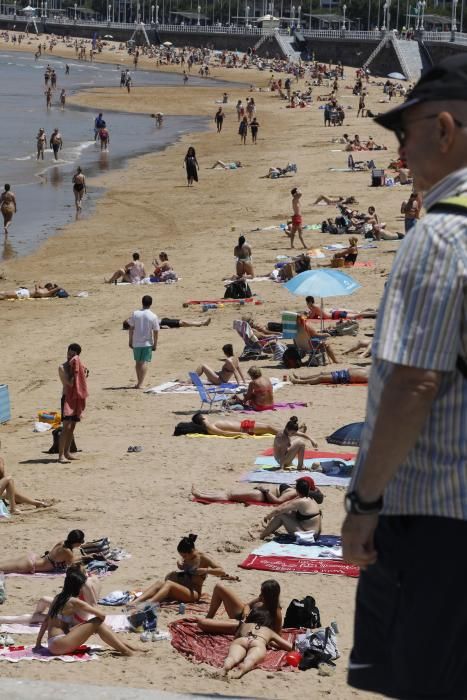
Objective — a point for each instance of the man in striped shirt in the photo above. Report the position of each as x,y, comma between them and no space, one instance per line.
406,521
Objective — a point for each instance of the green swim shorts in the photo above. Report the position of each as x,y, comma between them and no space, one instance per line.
142,354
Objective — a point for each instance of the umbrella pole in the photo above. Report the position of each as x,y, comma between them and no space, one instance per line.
322,314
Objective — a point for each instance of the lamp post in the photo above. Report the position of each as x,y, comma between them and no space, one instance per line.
76,6
299,12
388,14
157,15
14,11
385,9
344,10
152,14
109,9
453,19
292,14
423,5
418,9
199,12
247,12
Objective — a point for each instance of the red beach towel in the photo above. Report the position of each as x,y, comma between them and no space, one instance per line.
76,395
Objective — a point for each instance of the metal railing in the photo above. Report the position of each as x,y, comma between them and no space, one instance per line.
342,34
459,37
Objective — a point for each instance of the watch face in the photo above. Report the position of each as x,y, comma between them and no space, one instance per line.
348,503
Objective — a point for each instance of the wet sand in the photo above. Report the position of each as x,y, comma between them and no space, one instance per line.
141,500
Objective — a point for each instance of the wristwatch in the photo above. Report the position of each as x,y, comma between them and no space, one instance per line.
355,506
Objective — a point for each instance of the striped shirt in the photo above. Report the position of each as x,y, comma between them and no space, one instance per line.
422,322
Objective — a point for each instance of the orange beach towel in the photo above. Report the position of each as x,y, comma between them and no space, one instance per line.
76,395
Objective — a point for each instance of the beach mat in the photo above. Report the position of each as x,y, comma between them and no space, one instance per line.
324,557
209,501
265,476
28,654
278,407
230,437
176,387
200,647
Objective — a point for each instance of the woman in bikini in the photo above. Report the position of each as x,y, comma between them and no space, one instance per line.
230,368
251,643
79,187
57,560
9,493
244,265
7,207
186,584
270,493
65,623
302,514
290,443
237,609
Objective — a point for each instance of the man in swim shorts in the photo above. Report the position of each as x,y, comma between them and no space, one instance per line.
248,426
56,142
143,334
297,219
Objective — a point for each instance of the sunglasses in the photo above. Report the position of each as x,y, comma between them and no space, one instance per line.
401,131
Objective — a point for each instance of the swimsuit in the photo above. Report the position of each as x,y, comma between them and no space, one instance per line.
340,376
248,426
301,517
336,314
78,186
297,220
22,293
58,566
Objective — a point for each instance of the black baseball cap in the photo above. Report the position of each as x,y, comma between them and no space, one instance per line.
447,80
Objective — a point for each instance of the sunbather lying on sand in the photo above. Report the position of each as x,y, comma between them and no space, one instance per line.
48,290
9,493
315,311
176,323
233,165
364,345
334,199
262,493
232,428
250,645
57,560
340,376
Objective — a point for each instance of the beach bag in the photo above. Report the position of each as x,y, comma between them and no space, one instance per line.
56,439
291,358
318,648
302,613
189,428
144,619
239,289
275,327
100,546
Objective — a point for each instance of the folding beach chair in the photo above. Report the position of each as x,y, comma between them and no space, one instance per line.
255,348
317,354
209,396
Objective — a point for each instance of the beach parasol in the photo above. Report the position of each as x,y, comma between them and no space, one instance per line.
322,283
349,435
108,36
397,76
167,43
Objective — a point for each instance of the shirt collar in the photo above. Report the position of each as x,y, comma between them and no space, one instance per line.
453,184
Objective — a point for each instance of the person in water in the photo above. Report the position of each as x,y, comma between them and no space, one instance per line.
7,207
79,188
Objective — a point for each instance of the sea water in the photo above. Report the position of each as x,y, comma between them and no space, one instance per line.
43,188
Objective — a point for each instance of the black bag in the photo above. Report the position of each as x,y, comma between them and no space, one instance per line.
303,613
275,327
312,658
56,439
239,289
291,358
189,428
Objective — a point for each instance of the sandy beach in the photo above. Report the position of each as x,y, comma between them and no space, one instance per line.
141,501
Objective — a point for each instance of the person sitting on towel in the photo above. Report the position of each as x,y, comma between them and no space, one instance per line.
352,375
132,273
233,428
259,395
300,515
290,443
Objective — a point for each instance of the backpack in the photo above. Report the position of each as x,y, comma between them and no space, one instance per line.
302,613
56,440
239,289
291,358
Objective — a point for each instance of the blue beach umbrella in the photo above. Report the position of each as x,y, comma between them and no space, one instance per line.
322,283
349,435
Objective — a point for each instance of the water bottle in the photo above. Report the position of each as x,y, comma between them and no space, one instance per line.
2,589
181,608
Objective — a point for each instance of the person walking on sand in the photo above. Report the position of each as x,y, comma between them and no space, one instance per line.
62,100
7,207
191,165
143,334
73,376
254,126
79,188
41,141
56,142
243,130
297,219
407,500
219,119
